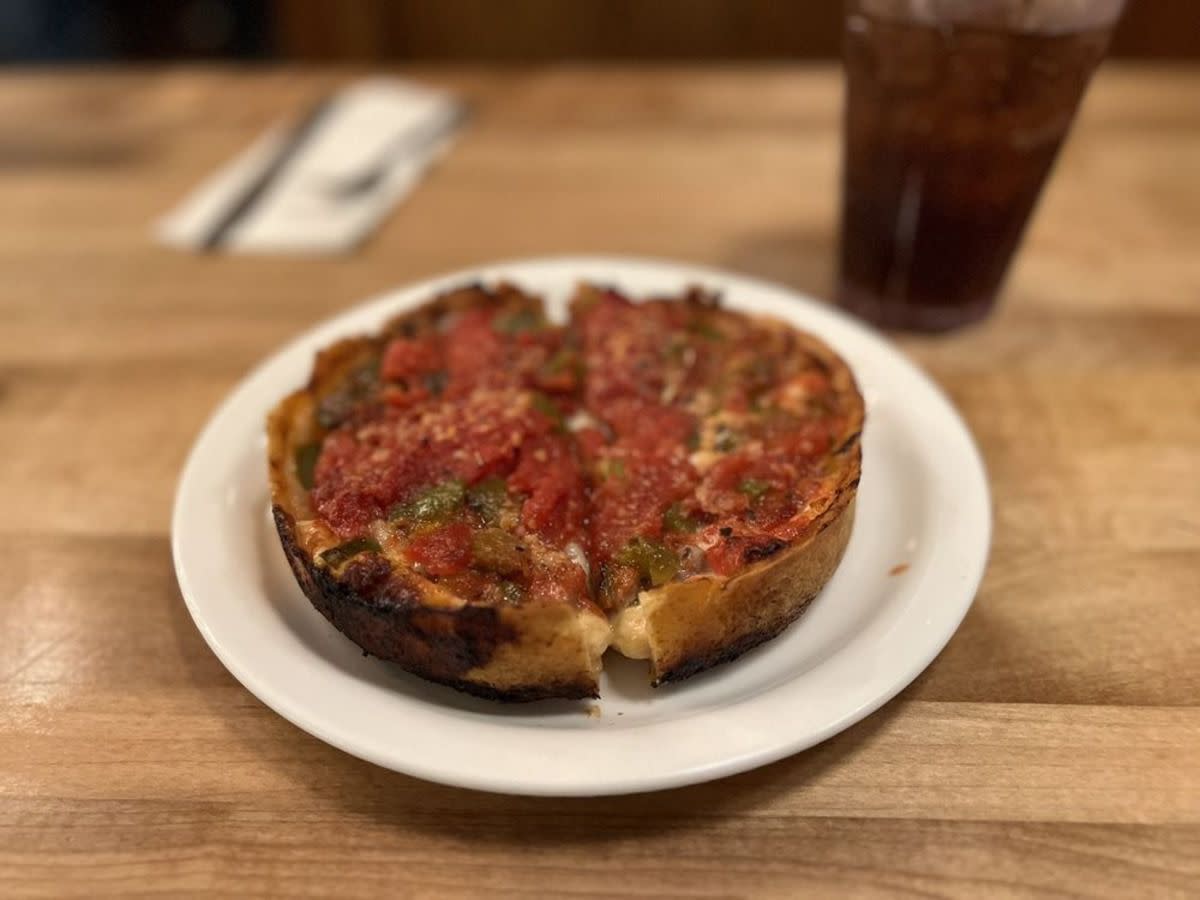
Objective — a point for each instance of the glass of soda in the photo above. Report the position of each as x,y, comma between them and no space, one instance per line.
955,112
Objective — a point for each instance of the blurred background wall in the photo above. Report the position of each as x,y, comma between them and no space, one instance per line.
483,30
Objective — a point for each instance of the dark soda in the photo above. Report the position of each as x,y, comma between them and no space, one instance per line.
950,134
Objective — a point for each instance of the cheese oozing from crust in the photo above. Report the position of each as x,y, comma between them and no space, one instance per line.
629,633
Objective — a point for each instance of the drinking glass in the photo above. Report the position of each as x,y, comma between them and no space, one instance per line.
955,112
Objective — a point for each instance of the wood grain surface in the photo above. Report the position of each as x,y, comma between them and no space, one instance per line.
1054,747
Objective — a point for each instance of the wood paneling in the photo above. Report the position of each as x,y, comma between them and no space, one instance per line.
646,30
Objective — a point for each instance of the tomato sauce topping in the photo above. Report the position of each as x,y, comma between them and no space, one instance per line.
362,472
490,397
558,580
648,424
639,474
410,358
548,472
635,489
623,345
506,347
731,549
443,551
475,353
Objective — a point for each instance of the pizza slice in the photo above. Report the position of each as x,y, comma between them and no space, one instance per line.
431,503
723,450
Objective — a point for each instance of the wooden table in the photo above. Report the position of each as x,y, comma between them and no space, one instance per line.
1054,747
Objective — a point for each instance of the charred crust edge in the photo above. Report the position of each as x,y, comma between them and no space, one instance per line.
693,665
847,444
758,552
559,690
389,621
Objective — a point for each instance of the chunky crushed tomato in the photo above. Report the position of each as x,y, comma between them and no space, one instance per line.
725,553
363,472
653,369
623,347
731,548
475,353
558,580
702,447
635,490
407,358
762,485
443,551
478,355
647,424
351,490
548,472
802,441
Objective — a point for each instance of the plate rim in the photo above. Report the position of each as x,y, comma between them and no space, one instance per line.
378,304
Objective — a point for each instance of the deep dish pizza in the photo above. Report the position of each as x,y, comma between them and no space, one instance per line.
492,500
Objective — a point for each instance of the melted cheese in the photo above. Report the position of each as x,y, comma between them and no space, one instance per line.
582,419
703,460
315,536
597,635
629,633
579,557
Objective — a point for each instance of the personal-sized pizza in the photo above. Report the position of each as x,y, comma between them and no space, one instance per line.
492,500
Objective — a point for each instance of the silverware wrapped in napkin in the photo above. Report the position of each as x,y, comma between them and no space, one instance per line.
323,183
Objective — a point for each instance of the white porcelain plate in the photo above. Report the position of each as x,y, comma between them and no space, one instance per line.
915,559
